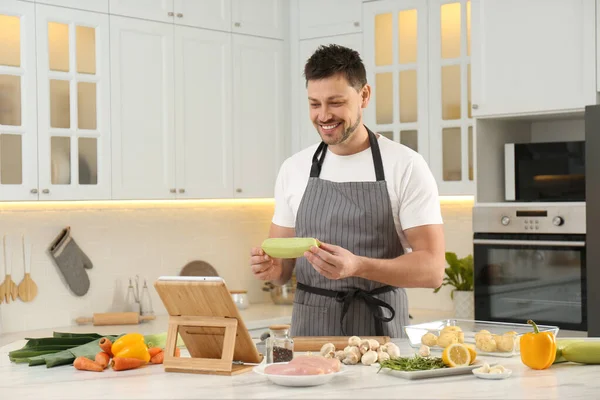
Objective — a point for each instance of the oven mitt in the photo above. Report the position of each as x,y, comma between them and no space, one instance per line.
71,261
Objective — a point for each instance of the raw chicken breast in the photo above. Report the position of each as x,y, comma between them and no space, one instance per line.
305,365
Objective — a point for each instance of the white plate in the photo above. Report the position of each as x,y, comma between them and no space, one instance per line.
482,375
432,373
299,380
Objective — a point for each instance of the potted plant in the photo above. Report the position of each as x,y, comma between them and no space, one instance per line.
459,274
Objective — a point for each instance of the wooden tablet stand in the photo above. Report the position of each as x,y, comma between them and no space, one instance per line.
204,315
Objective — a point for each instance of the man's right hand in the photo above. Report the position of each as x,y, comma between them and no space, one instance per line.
263,266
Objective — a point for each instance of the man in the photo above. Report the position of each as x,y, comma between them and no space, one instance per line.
372,202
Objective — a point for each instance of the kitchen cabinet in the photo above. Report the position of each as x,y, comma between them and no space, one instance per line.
308,134
545,62
317,18
87,5
155,10
73,86
450,118
266,18
396,58
18,103
143,109
209,14
259,114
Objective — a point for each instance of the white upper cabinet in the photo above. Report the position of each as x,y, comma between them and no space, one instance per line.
87,5
308,134
155,10
259,114
143,122
450,118
203,95
533,56
18,111
209,14
395,53
318,18
73,82
267,18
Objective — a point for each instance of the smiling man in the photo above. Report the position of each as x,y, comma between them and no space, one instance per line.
372,202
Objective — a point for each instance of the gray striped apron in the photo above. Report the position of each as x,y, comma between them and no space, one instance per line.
358,217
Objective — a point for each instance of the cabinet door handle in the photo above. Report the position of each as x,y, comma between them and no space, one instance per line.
179,15
181,190
475,106
34,191
173,191
239,190
237,24
46,191
170,13
356,23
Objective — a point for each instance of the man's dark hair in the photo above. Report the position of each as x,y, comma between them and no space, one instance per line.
333,59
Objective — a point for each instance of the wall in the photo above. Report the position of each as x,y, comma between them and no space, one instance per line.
150,239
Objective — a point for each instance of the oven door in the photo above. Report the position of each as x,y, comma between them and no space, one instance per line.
539,277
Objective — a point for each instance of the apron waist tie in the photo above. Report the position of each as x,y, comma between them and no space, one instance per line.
374,304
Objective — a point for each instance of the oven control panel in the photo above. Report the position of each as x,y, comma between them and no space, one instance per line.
530,219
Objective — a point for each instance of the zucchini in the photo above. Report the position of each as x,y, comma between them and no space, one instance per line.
583,352
288,247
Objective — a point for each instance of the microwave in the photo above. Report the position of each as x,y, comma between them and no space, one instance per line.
545,172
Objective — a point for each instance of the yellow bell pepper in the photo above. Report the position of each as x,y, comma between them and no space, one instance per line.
538,349
131,345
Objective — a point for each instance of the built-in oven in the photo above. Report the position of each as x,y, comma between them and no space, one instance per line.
545,172
530,263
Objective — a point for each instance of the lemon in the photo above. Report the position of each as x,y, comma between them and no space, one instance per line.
472,353
456,355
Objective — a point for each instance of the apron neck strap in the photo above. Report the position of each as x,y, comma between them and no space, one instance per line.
319,156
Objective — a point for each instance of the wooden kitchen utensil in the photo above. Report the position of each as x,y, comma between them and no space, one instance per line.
10,288
198,268
314,343
27,288
203,313
117,318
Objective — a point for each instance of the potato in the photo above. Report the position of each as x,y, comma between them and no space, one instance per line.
447,338
429,339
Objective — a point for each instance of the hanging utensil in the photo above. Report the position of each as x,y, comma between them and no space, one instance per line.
27,288
10,288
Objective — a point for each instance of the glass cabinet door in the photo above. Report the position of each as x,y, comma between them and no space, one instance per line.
395,55
451,124
73,79
18,136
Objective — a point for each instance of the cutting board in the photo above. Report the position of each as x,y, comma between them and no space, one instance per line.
314,343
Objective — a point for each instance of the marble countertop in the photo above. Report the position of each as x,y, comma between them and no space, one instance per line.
152,382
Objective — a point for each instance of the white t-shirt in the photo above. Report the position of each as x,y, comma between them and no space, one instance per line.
411,186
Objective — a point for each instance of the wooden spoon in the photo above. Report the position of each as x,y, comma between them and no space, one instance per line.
27,288
10,288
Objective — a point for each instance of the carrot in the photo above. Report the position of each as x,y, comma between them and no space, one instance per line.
177,352
158,358
85,364
102,358
105,345
154,351
123,363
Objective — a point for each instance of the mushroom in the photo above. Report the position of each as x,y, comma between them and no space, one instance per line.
340,355
365,345
354,341
328,350
374,344
351,355
370,357
393,350
382,355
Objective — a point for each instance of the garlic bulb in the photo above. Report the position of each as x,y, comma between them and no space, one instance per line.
424,351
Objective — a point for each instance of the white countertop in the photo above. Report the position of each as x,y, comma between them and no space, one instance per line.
152,382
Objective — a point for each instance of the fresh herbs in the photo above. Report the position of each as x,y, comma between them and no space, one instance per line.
416,363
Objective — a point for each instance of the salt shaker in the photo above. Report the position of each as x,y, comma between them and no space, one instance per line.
280,345
145,302
131,303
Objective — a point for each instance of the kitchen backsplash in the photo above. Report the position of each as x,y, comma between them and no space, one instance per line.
153,239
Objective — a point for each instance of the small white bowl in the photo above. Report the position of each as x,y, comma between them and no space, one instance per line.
487,375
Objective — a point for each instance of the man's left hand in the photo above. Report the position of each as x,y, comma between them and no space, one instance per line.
333,262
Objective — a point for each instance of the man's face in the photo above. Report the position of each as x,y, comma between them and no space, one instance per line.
335,108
